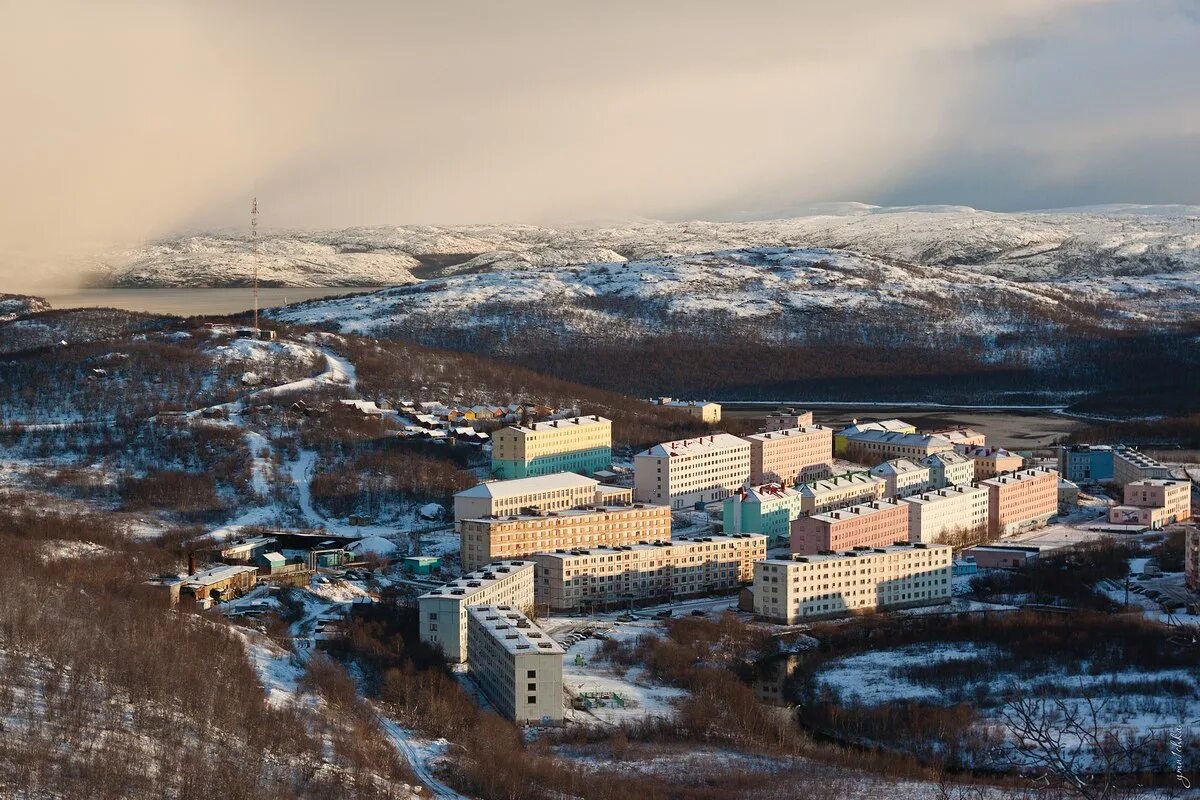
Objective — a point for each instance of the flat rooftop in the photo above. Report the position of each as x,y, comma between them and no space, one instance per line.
522,486
514,630
843,555
948,493
853,512
560,424
655,545
474,582
567,513
787,433
1019,476
702,445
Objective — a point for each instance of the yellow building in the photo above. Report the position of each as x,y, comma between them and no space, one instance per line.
576,444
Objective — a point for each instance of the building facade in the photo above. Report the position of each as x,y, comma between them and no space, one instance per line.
788,418
1086,463
768,509
576,444
1021,501
991,461
790,591
556,492
607,576
876,524
873,446
954,515
791,455
520,536
1131,465
902,477
1154,503
516,664
841,439
968,437
847,489
690,471
442,612
1000,556
949,468
702,410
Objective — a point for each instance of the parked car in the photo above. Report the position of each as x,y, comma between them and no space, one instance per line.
698,613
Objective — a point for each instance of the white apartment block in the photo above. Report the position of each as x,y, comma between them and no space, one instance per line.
520,536
691,471
547,493
516,664
607,576
789,591
791,455
954,515
950,468
903,477
840,491
443,611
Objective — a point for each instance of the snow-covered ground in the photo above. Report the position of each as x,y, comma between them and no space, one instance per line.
640,698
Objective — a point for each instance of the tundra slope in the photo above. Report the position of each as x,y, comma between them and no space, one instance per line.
1095,242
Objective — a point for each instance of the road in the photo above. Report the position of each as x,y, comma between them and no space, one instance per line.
401,739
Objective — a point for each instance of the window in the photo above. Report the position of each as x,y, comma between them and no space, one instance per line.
531,673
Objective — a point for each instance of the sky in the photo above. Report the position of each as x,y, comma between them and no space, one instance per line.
126,121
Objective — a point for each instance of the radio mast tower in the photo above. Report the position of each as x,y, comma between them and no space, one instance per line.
254,250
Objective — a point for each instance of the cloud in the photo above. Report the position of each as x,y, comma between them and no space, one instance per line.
130,121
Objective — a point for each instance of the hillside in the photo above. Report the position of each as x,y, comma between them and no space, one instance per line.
1100,241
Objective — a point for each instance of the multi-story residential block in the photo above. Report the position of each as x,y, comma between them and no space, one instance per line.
1191,558
442,612
871,446
903,477
691,471
768,509
791,455
955,515
991,461
788,418
841,439
1131,465
808,587
948,468
876,524
545,493
576,444
847,489
1154,503
522,535
1021,501
1086,463
516,664
606,576
968,437
703,410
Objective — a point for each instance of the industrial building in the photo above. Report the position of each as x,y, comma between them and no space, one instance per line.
948,468
522,535
806,587
690,471
1021,501
953,515
768,509
847,489
791,455
575,444
443,611
609,576
874,524
555,492
516,664
1002,556
902,477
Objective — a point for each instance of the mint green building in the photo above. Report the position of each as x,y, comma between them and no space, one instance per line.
768,509
575,444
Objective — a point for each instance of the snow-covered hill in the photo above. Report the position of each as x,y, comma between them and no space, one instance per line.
15,305
1100,241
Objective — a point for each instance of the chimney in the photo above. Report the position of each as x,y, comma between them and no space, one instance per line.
191,563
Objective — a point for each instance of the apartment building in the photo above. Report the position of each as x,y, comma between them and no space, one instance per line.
968,437
518,536
876,524
1021,501
807,587
556,492
841,439
870,446
902,477
1191,558
691,471
954,515
847,489
1154,503
768,509
606,576
1086,463
1131,465
575,444
991,461
442,612
788,418
948,468
702,410
791,455
516,664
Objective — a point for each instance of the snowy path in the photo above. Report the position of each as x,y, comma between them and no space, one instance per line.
418,756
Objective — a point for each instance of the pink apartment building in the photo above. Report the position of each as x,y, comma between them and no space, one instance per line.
878,524
790,455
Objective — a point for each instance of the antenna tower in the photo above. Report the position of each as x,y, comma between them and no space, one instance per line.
254,250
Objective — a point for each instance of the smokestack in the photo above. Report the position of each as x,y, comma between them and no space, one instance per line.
191,563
